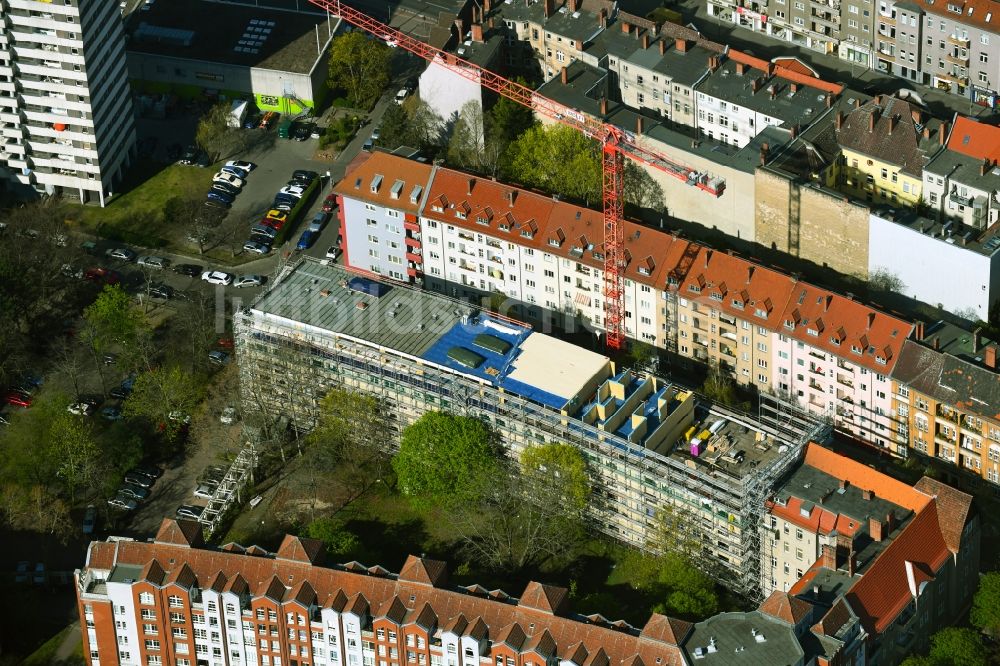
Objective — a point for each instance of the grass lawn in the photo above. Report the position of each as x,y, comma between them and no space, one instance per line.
137,215
45,655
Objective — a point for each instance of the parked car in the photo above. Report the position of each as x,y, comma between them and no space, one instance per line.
138,479
112,413
228,416
274,224
21,572
190,270
217,277
292,190
148,469
307,239
121,253
81,408
123,502
278,215
206,490
319,221
218,357
228,178
402,95
102,276
89,520
236,171
153,262
283,204
225,188
264,231
333,252
301,132
257,247
38,577
376,134
248,281
191,154
162,291
18,399
189,511
132,490
368,145
123,390
304,176
221,197
242,164
329,203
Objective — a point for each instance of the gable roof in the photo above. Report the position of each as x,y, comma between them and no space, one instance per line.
546,598
835,619
377,180
423,570
980,13
300,549
665,629
785,607
180,532
948,379
953,508
899,146
973,138
393,610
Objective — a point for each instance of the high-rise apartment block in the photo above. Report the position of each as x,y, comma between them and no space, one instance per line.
65,104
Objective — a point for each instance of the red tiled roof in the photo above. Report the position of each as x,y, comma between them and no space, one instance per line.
786,607
981,13
975,139
838,615
183,532
883,592
953,506
796,72
300,549
362,174
356,591
819,520
423,570
864,477
546,598
666,629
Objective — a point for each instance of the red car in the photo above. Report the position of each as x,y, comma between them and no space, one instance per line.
19,399
273,223
102,275
225,343
329,203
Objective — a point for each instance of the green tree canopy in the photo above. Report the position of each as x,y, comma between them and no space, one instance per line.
985,614
446,459
556,159
113,319
361,67
562,470
507,120
957,646
685,591
339,542
165,397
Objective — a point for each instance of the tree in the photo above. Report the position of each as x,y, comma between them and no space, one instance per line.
507,120
640,189
560,471
413,124
985,614
881,279
215,135
113,319
35,509
956,646
642,355
676,532
165,397
556,159
76,450
447,459
719,386
361,67
339,541
471,146
690,594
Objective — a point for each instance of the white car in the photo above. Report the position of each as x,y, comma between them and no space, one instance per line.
217,277
333,252
206,490
241,164
152,262
81,409
402,95
249,281
293,190
228,416
190,511
123,502
121,253
228,179
256,247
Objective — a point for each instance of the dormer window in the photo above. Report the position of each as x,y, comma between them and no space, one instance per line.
504,227
881,360
554,242
482,219
643,270
527,233
695,288
738,304
789,324
834,340
857,350
460,214
716,296
761,312
813,332
437,208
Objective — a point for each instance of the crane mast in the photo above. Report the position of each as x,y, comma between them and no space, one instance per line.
615,142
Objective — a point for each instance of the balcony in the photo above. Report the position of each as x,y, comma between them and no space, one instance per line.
957,198
958,41
727,319
816,370
700,340
947,414
465,266
962,61
954,78
414,257
412,242
725,350
827,20
413,272
582,270
815,386
727,334
841,379
410,225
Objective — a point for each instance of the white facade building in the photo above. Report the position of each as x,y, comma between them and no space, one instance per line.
65,103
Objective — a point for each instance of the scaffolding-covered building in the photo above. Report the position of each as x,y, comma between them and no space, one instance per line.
650,444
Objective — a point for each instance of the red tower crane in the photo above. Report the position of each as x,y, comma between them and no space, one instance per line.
616,144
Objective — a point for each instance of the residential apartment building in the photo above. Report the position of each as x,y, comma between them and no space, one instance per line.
172,600
649,444
899,559
946,395
65,104
744,95
541,260
816,24
960,182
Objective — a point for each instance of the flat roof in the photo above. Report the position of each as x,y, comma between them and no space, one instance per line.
735,448
743,639
125,573
428,326
232,34
981,241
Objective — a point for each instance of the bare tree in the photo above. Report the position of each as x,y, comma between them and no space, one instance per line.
882,279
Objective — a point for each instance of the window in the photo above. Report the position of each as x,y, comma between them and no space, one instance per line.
174,601
146,599
152,644
983,57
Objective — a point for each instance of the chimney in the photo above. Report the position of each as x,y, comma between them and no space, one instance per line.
472,183
838,120
460,26
604,106
976,338
645,40
828,556
579,45
984,167
871,320
867,495
943,133
829,100
477,32
795,130
638,125
626,28
918,331
764,150
844,483
547,7
713,62
573,5
876,529
890,522
857,103
927,131
893,119
937,343
915,114
511,196
663,47
755,86
878,100
852,562
604,18
990,357
871,121
487,6
741,68
682,46
564,76
638,31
